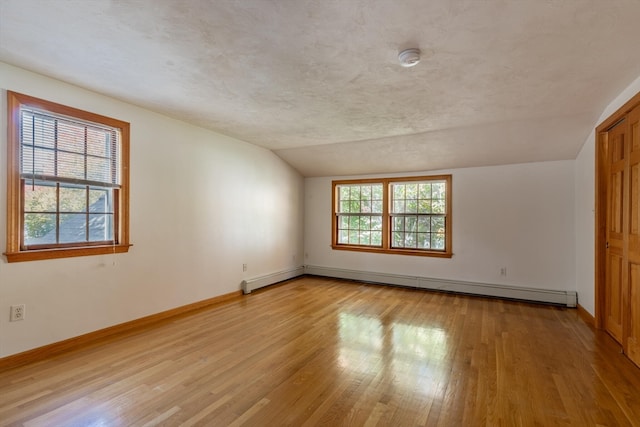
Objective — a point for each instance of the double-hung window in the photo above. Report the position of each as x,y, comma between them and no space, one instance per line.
359,214
67,181
410,215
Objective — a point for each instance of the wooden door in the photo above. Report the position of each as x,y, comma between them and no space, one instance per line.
615,257
631,311
618,227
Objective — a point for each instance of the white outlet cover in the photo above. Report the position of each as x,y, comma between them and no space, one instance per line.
17,312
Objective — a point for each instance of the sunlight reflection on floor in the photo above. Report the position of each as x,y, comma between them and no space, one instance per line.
409,356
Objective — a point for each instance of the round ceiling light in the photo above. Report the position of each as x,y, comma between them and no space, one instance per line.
409,57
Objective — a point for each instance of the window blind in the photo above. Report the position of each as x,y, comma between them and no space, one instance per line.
61,149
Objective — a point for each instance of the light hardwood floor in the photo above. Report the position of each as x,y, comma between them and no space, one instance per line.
315,351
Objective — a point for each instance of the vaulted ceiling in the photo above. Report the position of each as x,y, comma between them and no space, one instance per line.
318,82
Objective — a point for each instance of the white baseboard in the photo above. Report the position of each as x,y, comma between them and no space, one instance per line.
262,281
566,298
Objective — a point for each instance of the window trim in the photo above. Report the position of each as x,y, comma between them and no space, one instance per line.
13,252
386,217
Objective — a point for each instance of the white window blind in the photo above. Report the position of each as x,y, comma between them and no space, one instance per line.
61,149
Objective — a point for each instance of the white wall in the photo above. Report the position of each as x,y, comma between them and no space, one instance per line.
585,205
202,204
517,216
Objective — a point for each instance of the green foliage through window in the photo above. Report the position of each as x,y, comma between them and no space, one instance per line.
418,215
415,216
360,214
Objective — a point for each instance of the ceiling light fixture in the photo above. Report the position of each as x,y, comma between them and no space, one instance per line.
409,57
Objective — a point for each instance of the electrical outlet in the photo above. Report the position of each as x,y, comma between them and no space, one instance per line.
244,267
17,312
503,271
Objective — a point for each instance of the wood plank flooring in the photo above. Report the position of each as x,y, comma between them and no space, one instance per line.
320,352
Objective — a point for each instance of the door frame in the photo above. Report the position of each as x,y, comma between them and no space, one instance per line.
601,135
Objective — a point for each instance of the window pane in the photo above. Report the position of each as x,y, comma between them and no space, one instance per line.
365,238
98,142
344,192
424,241
343,222
365,192
354,222
70,165
70,137
398,191
424,224
437,224
98,169
376,223
437,190
365,223
376,238
410,223
38,130
376,191
73,228
438,206
424,206
398,223
410,240
411,191
360,198
39,229
73,199
398,239
398,206
100,201
39,161
424,191
39,198
357,230
100,227
437,241
355,192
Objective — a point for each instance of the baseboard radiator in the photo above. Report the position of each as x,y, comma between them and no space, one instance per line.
565,298
262,281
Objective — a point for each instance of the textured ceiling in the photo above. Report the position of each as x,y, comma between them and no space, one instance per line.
318,82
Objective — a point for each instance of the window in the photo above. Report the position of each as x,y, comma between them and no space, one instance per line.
359,210
67,181
409,215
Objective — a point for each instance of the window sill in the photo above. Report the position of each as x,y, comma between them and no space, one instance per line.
37,255
414,252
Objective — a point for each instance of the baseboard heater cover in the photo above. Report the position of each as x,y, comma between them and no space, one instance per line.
566,298
262,281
